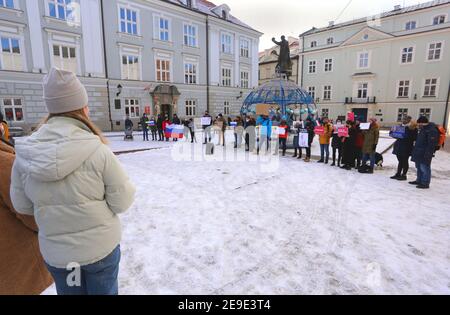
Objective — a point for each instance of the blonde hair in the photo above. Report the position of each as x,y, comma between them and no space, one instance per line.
81,116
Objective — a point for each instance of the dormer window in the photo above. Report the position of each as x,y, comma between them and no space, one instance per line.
330,41
313,44
224,15
411,25
440,19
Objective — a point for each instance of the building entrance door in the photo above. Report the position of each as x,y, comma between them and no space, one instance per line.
166,110
361,114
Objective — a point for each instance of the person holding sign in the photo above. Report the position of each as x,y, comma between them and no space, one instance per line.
283,133
166,123
403,147
176,121
153,128
206,125
222,126
348,147
371,137
336,144
324,140
159,126
297,147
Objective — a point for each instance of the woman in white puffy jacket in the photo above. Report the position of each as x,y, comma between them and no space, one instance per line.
67,177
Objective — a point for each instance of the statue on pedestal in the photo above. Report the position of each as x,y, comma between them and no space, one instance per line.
284,57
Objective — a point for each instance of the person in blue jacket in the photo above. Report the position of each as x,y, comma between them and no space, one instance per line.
265,124
424,150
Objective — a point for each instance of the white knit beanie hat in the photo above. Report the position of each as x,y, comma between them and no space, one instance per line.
63,92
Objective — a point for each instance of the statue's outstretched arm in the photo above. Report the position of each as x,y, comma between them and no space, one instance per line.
275,41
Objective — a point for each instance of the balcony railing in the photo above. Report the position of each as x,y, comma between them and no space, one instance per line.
357,100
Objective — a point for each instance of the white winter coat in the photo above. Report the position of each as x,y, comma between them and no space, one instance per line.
75,187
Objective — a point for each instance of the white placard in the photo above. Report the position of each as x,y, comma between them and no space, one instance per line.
206,121
303,138
281,131
364,126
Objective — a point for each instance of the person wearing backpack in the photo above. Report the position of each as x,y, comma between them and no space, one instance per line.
403,148
423,153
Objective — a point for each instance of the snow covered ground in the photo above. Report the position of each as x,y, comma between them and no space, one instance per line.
230,225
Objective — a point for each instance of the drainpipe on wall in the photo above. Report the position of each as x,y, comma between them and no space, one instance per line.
446,114
106,65
303,58
207,64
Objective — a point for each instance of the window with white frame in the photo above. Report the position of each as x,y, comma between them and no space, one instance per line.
245,48
440,19
13,109
328,65
7,4
190,35
226,76
191,108
330,41
425,112
403,88
11,57
363,60
327,92
411,25
132,108
363,90
313,44
435,51
226,43
312,66
226,108
402,113
130,67
61,9
163,70
325,112
128,21
312,92
164,29
64,57
407,55
245,79
430,87
190,72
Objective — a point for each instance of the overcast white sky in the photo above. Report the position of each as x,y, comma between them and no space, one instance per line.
292,17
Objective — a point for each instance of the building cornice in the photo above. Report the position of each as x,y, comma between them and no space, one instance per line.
361,21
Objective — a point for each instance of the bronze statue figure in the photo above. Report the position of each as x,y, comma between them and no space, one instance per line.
284,57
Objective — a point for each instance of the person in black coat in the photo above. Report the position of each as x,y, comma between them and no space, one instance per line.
176,121
336,144
159,125
423,152
309,126
348,147
403,148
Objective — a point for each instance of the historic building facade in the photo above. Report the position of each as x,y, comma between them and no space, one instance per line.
134,56
385,66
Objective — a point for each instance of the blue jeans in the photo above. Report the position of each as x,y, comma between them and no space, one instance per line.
99,278
324,149
423,174
145,134
367,157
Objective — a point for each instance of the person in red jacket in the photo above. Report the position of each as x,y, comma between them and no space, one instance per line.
166,123
283,135
359,143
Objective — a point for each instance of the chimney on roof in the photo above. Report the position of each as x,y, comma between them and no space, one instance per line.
397,7
331,24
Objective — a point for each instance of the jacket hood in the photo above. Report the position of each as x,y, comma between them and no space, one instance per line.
56,150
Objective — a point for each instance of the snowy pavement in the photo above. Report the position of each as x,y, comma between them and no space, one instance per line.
231,226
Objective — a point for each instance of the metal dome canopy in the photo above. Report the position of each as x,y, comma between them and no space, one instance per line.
279,92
